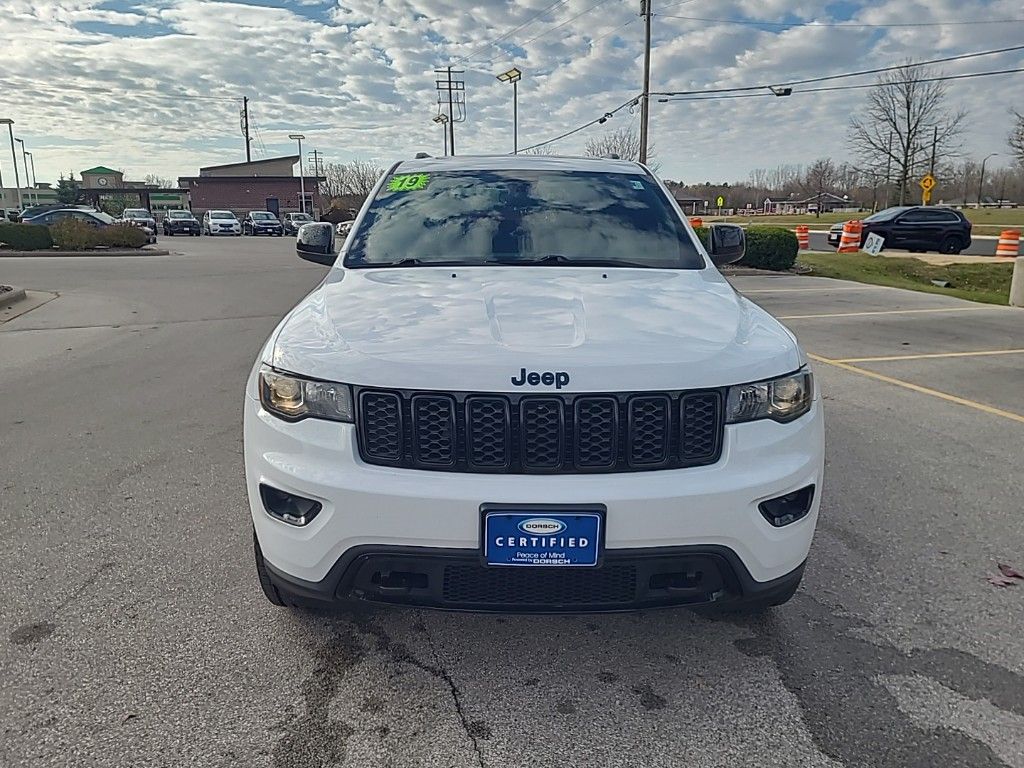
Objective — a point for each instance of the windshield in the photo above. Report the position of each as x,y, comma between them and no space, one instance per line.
179,215
300,217
262,216
136,213
221,215
522,217
888,213
106,218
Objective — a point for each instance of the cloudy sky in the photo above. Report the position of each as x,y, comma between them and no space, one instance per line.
92,82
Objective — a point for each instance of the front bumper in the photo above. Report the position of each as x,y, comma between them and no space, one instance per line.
216,229
454,579
382,512
267,231
182,229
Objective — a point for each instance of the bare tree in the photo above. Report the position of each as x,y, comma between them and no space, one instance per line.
160,181
622,142
357,178
1016,139
546,150
821,177
905,116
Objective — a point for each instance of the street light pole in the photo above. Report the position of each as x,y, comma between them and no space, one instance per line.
33,193
24,161
513,76
14,159
302,177
981,180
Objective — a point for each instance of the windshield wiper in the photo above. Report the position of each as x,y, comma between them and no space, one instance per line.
557,259
413,261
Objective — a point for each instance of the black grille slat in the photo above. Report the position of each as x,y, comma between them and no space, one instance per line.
700,414
596,425
538,433
433,430
488,432
542,430
381,426
473,585
650,428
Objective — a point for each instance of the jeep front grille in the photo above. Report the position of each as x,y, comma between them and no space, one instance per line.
539,434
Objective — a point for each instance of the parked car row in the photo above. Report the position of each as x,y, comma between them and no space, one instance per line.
97,219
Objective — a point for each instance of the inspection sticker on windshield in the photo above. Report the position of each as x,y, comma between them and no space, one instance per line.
408,182
638,184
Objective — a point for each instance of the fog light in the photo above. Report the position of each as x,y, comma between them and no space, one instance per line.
787,509
287,507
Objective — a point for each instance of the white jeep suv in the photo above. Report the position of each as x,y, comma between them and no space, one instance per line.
524,386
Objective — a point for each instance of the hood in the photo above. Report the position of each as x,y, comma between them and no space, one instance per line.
478,328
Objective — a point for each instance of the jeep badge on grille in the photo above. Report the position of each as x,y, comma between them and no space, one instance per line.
558,379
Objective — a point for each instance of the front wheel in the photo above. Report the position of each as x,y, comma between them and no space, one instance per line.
951,245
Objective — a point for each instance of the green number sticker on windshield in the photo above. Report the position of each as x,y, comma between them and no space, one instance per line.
409,182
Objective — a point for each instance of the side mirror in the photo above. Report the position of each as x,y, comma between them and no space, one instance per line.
728,244
315,242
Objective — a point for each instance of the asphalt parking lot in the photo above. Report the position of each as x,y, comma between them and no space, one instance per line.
135,634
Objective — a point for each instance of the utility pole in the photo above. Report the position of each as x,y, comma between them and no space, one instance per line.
645,102
245,128
888,170
14,160
451,115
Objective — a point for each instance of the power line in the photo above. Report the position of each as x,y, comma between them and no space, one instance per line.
857,86
509,34
844,75
851,25
631,102
564,23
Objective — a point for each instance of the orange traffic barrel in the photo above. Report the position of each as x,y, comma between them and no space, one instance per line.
696,221
1009,243
850,241
803,236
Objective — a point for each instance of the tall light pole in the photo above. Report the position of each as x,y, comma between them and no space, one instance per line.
14,158
33,194
24,161
981,180
302,177
442,120
513,76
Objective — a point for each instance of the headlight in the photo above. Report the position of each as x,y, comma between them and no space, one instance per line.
782,399
293,398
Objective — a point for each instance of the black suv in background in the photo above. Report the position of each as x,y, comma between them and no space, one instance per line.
915,228
181,223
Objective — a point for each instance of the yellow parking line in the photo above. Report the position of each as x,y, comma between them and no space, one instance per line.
930,355
889,312
923,390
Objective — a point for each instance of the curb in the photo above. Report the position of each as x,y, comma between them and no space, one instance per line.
83,254
7,298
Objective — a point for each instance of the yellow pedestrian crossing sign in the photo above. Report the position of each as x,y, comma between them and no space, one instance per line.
720,201
927,183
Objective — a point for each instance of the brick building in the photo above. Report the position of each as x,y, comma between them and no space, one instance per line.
262,185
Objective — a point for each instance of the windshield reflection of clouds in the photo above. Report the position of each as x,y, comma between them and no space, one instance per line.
506,216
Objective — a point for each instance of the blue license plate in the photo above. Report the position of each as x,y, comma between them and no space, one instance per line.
542,538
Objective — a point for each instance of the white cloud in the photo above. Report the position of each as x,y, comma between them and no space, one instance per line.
86,73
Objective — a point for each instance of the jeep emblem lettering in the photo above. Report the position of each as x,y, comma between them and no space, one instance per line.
557,379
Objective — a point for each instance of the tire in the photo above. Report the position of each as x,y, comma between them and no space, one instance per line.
951,245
